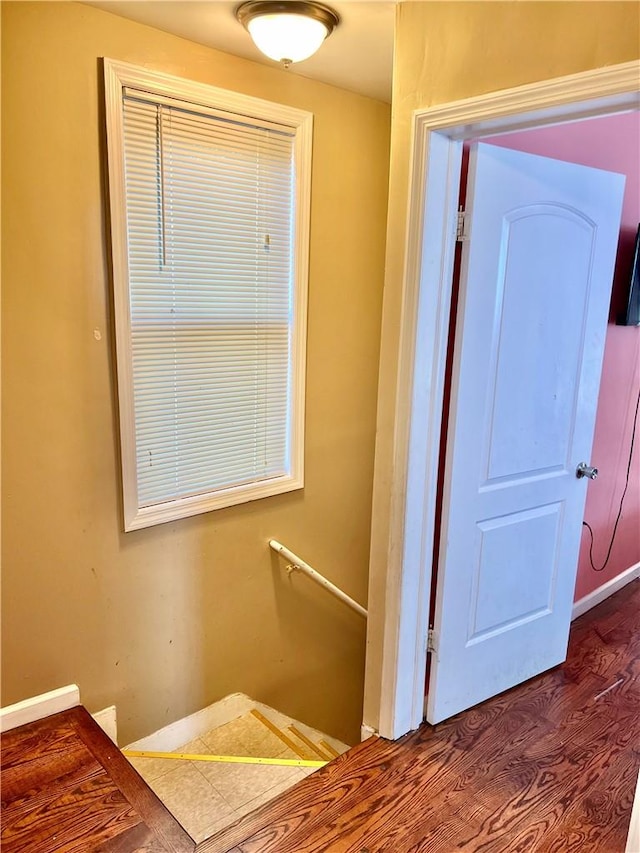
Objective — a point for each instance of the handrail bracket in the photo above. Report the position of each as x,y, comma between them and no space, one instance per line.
297,564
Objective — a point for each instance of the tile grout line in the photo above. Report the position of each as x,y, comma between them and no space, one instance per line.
266,722
251,732
240,812
213,787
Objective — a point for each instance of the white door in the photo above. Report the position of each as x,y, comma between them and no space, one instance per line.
534,296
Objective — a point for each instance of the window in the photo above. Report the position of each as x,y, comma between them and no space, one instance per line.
209,194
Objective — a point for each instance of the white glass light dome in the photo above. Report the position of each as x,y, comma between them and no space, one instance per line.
287,31
287,38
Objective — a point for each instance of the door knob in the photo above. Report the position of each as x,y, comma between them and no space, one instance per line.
584,470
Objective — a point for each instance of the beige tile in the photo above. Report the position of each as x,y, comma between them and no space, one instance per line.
240,783
194,747
225,740
245,736
339,747
311,754
192,800
267,796
289,753
258,740
197,747
152,768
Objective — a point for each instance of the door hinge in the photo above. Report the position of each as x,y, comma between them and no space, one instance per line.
462,230
430,641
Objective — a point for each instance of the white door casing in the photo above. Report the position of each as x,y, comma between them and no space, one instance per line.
409,419
535,287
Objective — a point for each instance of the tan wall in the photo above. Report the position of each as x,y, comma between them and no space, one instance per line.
447,51
164,621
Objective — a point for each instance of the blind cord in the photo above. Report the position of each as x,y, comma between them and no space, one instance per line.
626,486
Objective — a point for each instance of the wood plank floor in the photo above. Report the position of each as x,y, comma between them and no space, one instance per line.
66,787
548,767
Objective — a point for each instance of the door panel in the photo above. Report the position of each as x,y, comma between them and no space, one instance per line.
534,295
504,594
544,410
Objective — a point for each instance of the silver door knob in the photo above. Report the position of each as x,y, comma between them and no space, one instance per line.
584,470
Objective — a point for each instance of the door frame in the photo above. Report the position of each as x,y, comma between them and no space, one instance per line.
395,685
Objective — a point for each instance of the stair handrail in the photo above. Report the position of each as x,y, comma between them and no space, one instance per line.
297,563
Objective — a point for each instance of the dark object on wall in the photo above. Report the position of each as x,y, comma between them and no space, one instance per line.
624,493
631,316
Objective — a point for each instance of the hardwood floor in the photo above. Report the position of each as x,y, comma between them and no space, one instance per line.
548,767
66,787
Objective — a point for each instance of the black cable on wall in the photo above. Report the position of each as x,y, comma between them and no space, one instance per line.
626,486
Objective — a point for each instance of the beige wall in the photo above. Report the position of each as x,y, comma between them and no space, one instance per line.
164,621
447,51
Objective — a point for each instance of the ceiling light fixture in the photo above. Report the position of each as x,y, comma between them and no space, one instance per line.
287,30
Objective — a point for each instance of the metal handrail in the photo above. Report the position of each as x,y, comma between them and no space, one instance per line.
296,563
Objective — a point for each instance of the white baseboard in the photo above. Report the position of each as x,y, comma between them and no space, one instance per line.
108,722
603,592
366,732
225,711
182,731
37,707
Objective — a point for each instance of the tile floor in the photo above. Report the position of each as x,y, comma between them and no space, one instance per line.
205,796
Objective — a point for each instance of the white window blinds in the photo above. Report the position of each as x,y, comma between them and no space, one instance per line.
212,350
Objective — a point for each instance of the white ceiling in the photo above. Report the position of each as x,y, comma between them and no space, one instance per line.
357,56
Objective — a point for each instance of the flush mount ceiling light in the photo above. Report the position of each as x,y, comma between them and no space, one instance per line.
287,30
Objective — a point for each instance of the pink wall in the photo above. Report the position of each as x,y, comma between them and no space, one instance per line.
611,143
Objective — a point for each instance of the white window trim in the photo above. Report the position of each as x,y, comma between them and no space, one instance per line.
120,75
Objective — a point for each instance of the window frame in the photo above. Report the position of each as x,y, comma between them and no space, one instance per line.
117,77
